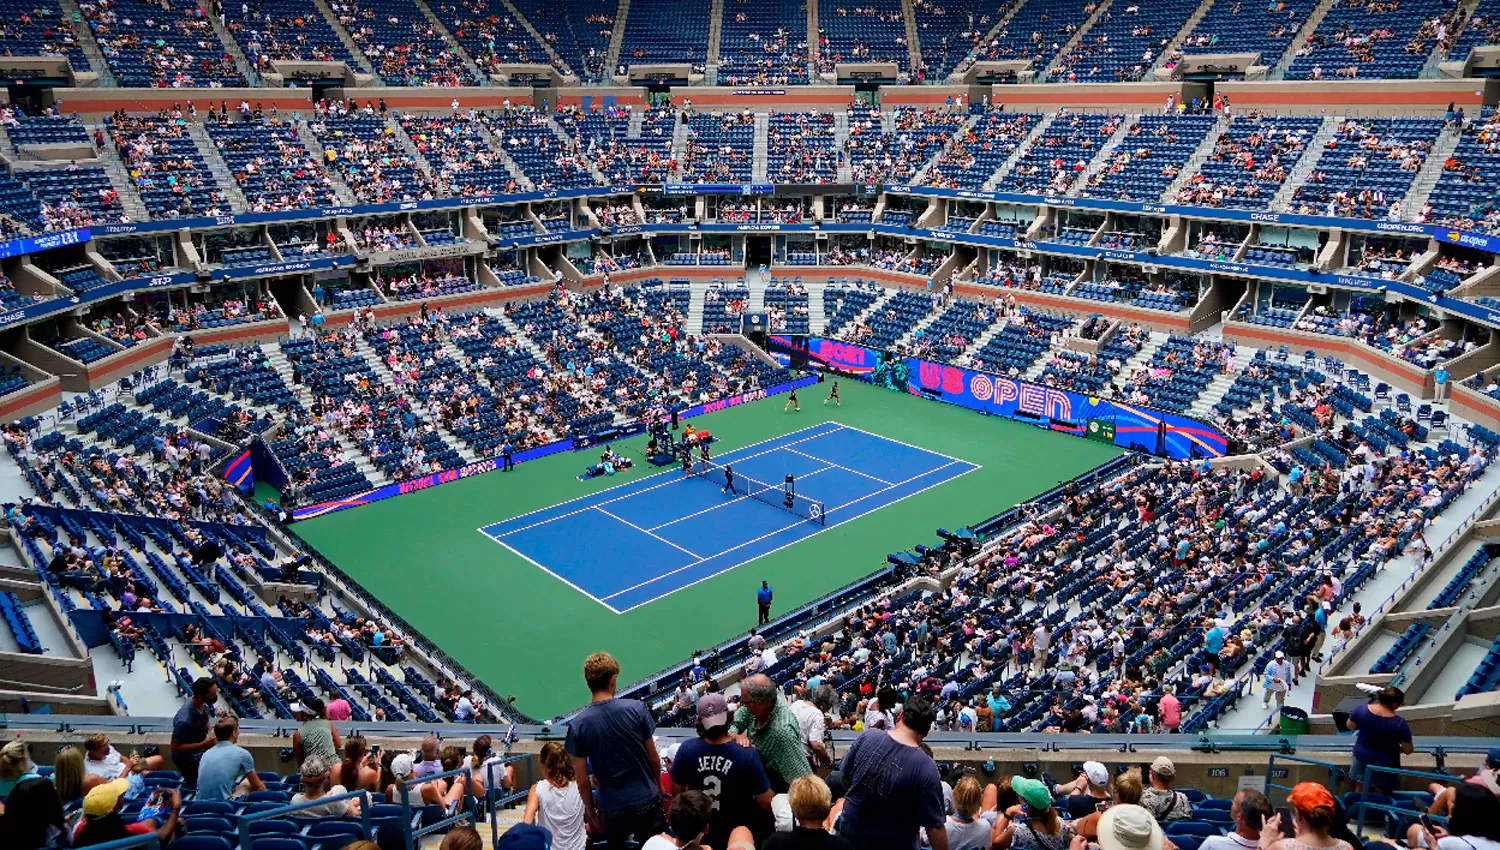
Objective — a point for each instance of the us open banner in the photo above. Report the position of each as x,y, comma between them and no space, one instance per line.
1132,426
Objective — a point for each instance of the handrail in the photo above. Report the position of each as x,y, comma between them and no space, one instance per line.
1364,785
411,833
495,798
364,813
148,839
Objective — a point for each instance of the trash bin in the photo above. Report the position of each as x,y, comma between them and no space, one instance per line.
1293,720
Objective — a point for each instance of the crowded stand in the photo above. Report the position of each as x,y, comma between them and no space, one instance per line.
1230,482
763,43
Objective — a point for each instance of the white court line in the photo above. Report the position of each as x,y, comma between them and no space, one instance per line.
648,533
904,443
727,504
841,466
971,468
539,566
677,477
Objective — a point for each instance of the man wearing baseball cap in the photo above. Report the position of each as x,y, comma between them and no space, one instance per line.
1084,794
1278,679
1160,800
731,775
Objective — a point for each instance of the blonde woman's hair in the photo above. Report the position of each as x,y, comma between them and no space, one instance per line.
13,760
67,773
1128,787
967,796
810,798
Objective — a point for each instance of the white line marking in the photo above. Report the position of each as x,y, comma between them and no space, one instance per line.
971,468
539,566
648,533
904,443
678,477
727,504
840,466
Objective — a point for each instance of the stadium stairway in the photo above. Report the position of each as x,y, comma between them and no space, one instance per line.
1203,406
715,40
119,177
817,319
1176,42
349,45
863,316
552,55
913,38
379,366
698,290
498,147
453,44
220,169
1310,26
1432,171
1005,167
924,174
756,283
97,63
1305,165
841,143
758,156
1107,150
617,38
230,46
1078,35
315,147
304,395
1200,155
920,326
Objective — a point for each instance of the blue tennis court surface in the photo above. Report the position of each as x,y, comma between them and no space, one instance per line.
633,544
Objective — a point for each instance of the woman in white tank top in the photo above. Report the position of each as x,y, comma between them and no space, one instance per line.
554,802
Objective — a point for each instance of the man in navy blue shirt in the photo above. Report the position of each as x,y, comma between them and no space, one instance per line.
611,738
892,787
731,775
763,601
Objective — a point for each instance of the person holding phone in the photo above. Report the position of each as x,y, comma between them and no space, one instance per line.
1473,824
1250,809
1313,813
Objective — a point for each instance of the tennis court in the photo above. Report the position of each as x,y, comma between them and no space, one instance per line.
633,544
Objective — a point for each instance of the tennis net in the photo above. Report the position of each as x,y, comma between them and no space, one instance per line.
775,495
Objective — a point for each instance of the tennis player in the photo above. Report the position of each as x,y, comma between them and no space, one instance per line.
792,403
833,395
729,479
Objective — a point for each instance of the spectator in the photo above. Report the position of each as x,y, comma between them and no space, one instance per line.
102,823
554,802
766,722
812,722
67,774
731,775
227,770
105,764
1033,824
811,801
463,837
1381,737
315,736
1249,809
892,787
1126,827
15,766
1487,777
613,739
190,730
1171,709
1313,809
1160,800
1083,795
968,828
315,786
1278,679
482,762
339,709
1126,792
355,771
689,817
33,818
1474,823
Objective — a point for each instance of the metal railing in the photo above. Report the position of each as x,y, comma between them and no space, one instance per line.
243,829
411,832
495,797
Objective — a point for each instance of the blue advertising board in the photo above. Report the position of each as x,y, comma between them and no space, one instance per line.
1135,427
